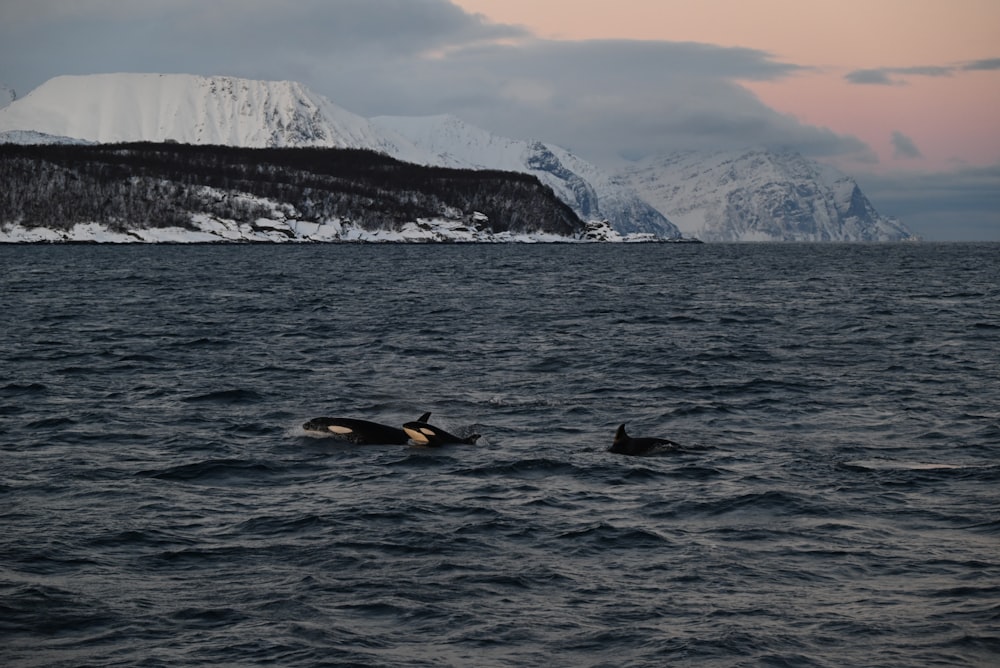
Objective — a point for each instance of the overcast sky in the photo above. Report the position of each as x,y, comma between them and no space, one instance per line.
855,82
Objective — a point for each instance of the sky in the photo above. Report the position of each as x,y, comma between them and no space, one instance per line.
904,95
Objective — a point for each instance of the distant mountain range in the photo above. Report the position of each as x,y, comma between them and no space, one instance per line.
751,195
239,112
760,196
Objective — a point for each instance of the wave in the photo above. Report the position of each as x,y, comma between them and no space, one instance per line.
17,389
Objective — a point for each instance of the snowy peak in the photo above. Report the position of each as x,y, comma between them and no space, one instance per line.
191,109
760,195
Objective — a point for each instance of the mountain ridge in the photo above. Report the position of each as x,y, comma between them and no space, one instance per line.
230,111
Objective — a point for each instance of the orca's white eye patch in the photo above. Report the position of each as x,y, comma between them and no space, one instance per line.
337,429
416,435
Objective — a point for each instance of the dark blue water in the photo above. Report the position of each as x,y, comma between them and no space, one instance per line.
839,505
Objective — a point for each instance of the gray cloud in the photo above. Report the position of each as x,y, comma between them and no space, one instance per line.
959,205
40,39
897,76
602,98
986,64
925,71
903,147
877,77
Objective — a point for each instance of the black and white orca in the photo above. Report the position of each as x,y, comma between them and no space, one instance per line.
362,432
624,444
422,433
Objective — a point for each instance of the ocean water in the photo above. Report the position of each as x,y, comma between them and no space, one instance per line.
838,502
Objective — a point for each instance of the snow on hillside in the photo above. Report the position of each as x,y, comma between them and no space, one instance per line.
282,225
448,141
592,193
109,108
36,138
759,195
216,230
213,230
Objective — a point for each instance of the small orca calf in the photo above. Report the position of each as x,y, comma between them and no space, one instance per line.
362,432
422,433
626,445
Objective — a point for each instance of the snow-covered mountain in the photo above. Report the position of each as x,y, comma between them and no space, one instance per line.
592,193
759,195
229,111
189,109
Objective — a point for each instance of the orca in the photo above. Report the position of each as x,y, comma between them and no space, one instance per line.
422,433
362,432
624,444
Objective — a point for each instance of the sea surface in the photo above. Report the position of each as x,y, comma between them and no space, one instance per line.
837,502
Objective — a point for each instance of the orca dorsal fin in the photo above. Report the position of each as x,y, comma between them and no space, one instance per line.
424,418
